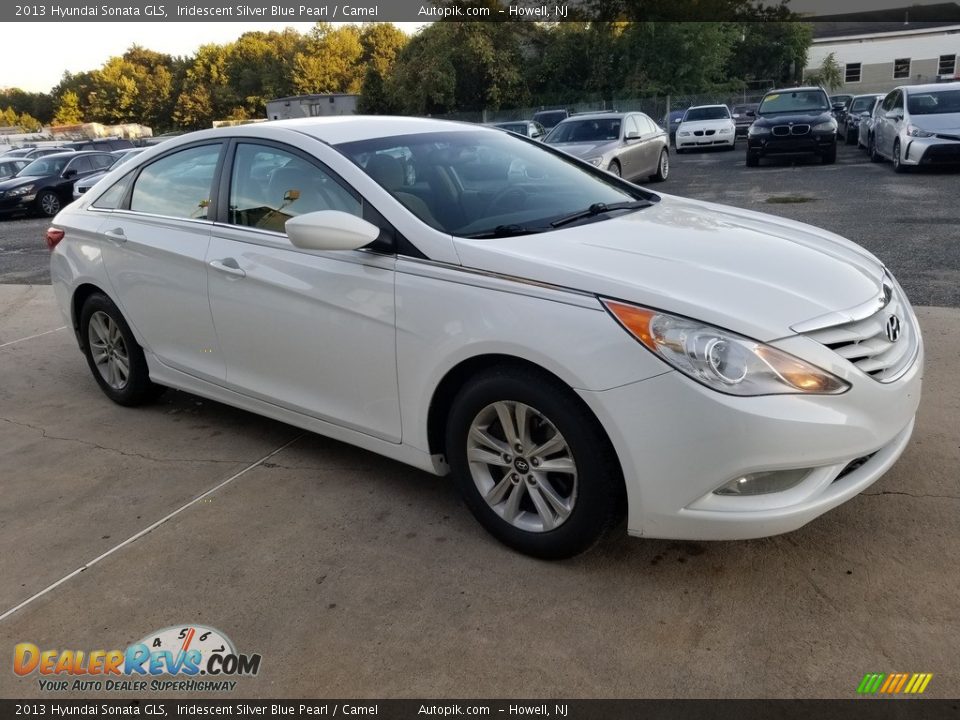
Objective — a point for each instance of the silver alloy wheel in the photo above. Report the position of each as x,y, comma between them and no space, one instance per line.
522,466
614,168
49,204
109,350
664,164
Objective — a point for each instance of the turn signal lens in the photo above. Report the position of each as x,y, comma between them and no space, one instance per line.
720,359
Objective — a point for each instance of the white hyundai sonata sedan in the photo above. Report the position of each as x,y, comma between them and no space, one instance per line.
570,347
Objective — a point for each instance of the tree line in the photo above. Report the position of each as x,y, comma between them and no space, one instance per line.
445,67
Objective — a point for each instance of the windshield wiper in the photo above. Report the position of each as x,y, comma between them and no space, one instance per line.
600,209
502,231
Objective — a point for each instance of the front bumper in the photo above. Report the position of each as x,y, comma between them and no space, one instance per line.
679,441
930,151
20,203
810,143
694,141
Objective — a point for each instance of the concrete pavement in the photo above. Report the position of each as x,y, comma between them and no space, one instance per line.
354,576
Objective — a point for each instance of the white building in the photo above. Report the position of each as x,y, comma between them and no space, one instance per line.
312,106
878,56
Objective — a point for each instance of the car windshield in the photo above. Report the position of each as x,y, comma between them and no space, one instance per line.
550,117
474,183
934,102
706,113
514,127
862,104
586,130
44,166
794,101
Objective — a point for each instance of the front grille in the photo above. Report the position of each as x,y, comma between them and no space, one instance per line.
866,343
782,130
701,133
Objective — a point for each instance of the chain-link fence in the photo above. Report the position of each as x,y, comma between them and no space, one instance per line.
656,106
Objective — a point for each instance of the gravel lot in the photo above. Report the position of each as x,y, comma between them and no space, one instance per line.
908,221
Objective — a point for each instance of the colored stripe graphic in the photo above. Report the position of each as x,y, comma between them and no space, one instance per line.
894,683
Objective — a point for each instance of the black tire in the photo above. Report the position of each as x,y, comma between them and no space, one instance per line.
680,151
752,159
614,168
600,499
872,150
663,167
48,203
898,166
137,389
850,137
830,156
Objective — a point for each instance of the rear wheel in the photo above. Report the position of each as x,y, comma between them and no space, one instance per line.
532,463
663,167
851,137
114,357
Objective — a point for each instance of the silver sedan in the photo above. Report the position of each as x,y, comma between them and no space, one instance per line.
630,145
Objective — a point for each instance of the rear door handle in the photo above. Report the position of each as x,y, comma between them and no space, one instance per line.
116,234
229,266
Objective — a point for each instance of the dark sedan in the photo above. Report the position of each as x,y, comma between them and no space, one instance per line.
46,184
743,116
794,121
671,122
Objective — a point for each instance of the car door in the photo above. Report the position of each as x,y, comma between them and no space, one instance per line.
651,135
631,147
154,238
309,330
886,128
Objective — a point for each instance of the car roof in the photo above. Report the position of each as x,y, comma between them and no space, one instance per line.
71,155
599,115
780,91
929,87
700,107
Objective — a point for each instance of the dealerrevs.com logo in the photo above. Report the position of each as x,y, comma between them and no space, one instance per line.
189,658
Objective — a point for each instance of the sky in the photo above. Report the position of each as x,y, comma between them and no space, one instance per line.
52,48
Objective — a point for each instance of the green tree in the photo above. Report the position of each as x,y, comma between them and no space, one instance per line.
330,61
772,51
381,43
68,110
206,94
829,74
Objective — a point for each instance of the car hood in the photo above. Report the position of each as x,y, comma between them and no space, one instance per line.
587,149
745,271
948,123
15,182
811,118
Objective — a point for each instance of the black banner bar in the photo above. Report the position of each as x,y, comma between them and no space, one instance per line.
859,709
470,10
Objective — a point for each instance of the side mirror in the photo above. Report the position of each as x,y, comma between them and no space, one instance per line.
69,173
633,135
893,115
330,230
751,113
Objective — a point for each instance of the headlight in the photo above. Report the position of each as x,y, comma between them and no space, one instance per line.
22,190
722,360
598,160
726,131
826,126
756,130
685,133
914,131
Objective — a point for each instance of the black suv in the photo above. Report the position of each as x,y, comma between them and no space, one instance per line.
46,184
793,121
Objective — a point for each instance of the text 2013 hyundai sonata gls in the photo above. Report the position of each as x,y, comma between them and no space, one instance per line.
571,347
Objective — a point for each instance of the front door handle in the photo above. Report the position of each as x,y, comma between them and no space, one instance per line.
116,234
229,266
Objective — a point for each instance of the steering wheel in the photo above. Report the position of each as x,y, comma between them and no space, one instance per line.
509,199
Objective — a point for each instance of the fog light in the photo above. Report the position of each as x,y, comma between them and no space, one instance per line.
761,483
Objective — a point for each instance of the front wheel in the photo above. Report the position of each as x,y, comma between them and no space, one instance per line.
752,159
614,168
898,165
874,155
663,167
114,357
533,464
48,203
830,156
